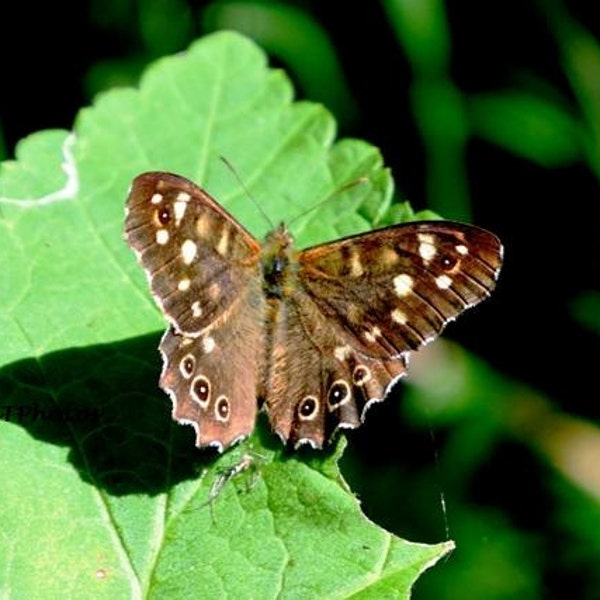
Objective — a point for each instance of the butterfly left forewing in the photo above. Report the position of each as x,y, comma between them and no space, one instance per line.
198,258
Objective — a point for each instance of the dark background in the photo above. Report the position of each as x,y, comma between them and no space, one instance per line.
488,112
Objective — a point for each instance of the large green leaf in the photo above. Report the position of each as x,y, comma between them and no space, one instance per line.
102,495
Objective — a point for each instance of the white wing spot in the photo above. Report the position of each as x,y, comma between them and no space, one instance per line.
179,208
403,285
189,250
203,224
356,268
427,249
156,198
184,285
162,236
196,310
443,282
223,244
462,249
371,336
183,197
342,353
399,316
208,344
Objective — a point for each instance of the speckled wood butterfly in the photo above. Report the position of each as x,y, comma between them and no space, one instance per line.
314,336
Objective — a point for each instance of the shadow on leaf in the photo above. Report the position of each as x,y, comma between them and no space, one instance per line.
104,403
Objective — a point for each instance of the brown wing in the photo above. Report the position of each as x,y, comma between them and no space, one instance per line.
395,289
198,258
203,271
212,379
359,306
316,382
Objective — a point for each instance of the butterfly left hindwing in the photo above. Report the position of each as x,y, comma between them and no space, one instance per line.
317,335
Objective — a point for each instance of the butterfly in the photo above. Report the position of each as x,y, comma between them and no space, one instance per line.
314,337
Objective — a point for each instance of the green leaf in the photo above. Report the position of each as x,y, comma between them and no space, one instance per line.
528,126
103,495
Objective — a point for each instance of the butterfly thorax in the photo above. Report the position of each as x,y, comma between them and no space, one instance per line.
278,263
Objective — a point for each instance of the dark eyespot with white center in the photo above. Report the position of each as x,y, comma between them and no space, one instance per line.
308,408
339,393
222,409
163,215
361,375
187,365
200,390
448,262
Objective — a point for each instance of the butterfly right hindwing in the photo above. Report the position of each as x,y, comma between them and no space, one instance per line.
318,383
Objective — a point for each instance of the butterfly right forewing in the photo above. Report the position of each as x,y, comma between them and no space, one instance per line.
393,290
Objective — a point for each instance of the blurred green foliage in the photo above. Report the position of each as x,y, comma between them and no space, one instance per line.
517,445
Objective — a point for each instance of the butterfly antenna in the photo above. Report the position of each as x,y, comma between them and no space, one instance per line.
340,190
261,210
